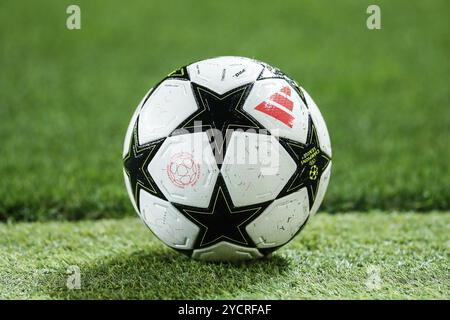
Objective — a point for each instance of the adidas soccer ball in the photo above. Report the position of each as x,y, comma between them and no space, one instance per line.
226,159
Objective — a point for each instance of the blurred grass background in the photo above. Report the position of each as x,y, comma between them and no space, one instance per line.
67,96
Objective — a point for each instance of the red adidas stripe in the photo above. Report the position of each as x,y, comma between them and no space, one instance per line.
276,113
286,90
282,100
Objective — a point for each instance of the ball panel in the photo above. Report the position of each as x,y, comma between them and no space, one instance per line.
171,103
185,170
319,122
323,185
225,251
166,222
127,140
255,168
280,221
223,74
279,108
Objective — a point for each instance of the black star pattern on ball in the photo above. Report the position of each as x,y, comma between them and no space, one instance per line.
222,221
180,73
311,163
136,162
275,73
219,112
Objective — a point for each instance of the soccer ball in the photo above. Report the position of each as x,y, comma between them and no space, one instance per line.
226,159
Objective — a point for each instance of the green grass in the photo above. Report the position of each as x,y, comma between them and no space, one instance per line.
67,96
329,259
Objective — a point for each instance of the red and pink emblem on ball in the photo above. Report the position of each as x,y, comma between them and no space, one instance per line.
182,170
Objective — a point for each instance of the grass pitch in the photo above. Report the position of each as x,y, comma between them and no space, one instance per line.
353,255
67,96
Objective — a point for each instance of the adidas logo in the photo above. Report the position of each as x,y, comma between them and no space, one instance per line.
279,106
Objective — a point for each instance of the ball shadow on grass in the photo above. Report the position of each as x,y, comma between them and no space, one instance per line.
164,274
